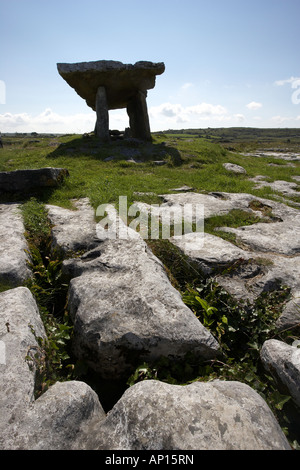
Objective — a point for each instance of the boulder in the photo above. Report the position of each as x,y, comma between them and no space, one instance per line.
217,415
283,362
234,168
14,268
291,313
30,180
125,311
61,417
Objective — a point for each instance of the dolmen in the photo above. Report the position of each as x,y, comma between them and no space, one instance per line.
108,84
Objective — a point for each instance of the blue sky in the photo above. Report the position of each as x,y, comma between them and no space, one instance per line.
228,63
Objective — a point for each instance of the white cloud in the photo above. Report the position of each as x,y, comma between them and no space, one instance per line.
239,117
206,109
177,116
254,105
47,121
165,116
287,80
168,110
187,113
281,119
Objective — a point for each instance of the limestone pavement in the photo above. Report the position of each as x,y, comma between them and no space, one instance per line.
124,309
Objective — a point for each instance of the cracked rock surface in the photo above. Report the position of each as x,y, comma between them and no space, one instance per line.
125,309
62,416
13,257
217,415
272,249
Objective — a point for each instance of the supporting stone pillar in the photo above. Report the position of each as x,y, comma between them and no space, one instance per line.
102,123
138,117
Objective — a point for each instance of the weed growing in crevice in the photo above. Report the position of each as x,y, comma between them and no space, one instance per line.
45,263
52,361
240,327
180,270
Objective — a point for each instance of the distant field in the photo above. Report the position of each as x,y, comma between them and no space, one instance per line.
246,137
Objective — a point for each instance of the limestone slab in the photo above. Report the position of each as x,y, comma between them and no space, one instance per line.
209,251
283,362
122,81
125,311
73,230
29,180
60,418
13,246
20,325
63,418
273,247
217,415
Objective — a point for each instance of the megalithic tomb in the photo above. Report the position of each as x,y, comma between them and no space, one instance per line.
107,84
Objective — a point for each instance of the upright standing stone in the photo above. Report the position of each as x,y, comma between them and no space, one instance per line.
138,117
102,124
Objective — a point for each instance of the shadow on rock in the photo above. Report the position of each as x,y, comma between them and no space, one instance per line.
20,185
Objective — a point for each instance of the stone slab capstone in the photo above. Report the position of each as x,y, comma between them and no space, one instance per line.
121,81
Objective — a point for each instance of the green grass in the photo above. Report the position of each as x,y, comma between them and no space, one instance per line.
5,286
235,218
189,161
